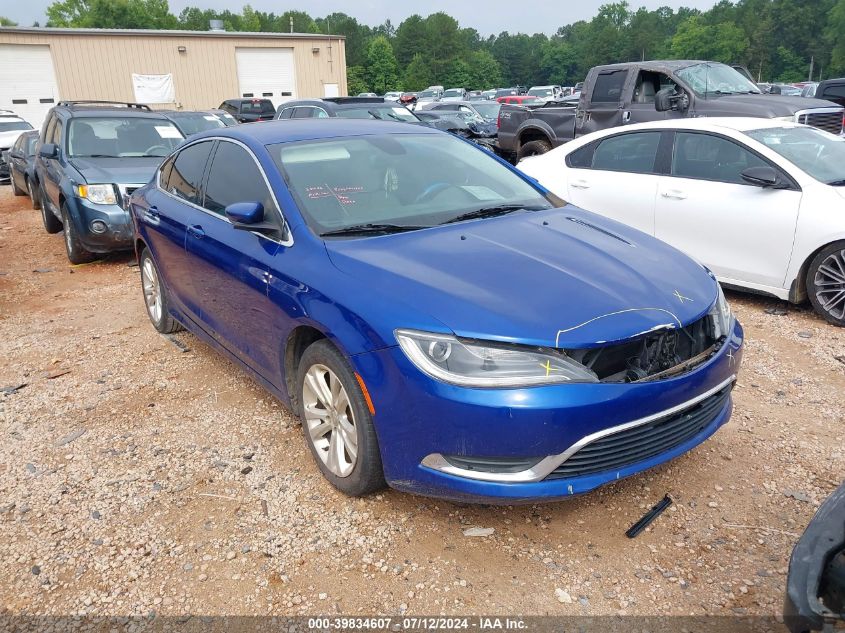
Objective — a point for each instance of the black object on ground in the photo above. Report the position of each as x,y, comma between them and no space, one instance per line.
652,514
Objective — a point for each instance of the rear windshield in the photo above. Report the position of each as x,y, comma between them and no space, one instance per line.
265,106
11,126
391,113
196,122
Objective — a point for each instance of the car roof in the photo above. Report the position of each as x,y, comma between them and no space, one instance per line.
293,130
736,124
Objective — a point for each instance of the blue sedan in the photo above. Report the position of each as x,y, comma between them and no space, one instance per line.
439,322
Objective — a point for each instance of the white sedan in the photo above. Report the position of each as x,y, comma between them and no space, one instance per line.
761,202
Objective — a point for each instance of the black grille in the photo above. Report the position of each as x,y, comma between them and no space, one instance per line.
643,442
827,121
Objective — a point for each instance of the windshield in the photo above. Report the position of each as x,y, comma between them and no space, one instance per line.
112,137
790,91
453,92
11,126
404,179
488,110
197,122
819,153
712,78
427,93
541,92
375,111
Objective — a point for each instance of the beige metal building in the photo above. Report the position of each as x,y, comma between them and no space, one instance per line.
166,69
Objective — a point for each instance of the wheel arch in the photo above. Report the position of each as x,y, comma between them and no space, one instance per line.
798,287
534,134
300,338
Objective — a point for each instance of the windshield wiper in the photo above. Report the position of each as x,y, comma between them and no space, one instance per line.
94,156
490,212
836,183
372,227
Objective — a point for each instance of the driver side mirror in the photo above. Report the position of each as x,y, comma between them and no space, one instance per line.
249,216
667,99
49,150
764,176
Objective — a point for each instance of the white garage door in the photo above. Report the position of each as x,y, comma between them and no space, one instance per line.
27,81
266,73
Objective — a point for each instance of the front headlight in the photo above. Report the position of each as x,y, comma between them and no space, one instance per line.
98,194
721,315
488,364
789,119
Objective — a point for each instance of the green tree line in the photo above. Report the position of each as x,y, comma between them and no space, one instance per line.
775,39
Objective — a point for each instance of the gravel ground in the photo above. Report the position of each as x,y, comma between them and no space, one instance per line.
140,474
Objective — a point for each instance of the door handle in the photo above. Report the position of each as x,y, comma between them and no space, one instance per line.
674,194
580,184
196,231
152,213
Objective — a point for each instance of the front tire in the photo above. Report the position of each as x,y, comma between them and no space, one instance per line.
156,299
336,421
533,148
52,224
826,283
76,252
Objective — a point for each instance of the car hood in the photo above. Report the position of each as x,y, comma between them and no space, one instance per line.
124,170
562,277
767,106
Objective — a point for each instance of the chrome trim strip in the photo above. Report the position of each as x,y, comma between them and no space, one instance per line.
287,243
547,465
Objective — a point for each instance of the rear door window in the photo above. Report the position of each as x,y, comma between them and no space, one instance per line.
185,178
608,86
635,153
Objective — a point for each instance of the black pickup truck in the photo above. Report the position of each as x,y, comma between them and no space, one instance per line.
619,94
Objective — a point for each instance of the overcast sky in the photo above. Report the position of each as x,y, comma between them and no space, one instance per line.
491,16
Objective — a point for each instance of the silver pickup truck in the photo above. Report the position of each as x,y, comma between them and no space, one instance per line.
619,94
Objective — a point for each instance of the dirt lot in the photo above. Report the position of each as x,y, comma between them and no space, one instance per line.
138,477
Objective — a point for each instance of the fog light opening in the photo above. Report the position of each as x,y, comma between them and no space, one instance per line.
98,226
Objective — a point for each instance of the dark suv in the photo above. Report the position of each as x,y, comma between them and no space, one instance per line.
92,155
249,110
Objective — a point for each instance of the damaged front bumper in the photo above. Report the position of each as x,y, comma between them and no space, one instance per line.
815,587
540,443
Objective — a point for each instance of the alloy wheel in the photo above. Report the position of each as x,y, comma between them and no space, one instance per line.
829,281
329,420
152,289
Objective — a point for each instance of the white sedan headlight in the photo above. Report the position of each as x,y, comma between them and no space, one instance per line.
98,194
483,364
721,315
789,119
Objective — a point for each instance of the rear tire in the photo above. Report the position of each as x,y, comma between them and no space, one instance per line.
336,421
76,252
33,195
52,224
156,299
826,283
533,148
